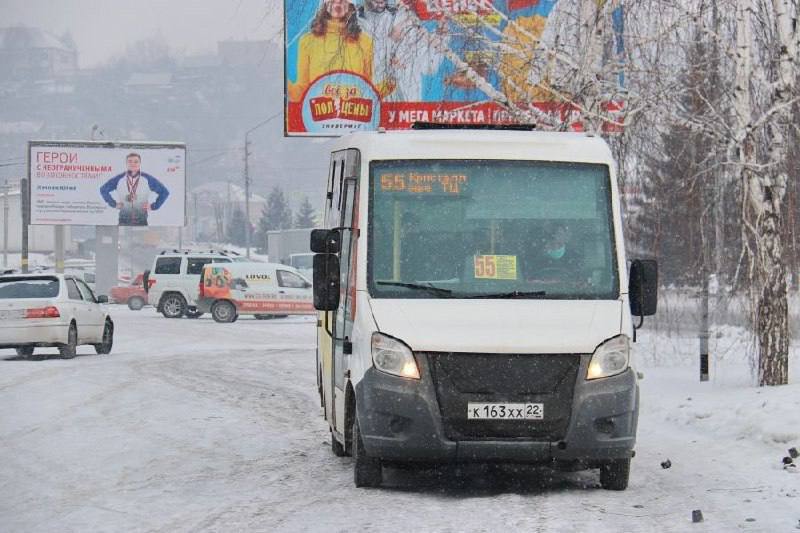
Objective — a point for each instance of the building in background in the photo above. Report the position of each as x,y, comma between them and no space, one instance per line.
34,53
41,239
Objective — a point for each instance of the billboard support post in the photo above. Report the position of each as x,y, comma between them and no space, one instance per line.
107,258
59,246
25,210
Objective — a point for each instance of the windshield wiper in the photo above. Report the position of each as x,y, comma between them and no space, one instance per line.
418,286
513,294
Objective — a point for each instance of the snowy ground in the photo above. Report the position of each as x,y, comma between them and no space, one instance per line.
193,425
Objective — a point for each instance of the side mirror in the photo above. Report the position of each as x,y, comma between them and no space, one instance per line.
103,299
643,287
326,282
326,241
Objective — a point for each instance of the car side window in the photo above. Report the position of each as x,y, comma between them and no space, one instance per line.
290,280
196,264
86,292
72,290
168,265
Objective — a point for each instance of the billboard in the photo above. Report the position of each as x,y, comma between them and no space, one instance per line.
107,184
364,64
355,65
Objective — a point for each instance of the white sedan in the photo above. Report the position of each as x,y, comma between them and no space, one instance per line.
52,310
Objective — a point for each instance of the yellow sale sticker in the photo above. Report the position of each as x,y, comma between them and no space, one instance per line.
496,267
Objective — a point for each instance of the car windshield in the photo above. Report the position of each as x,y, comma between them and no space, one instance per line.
44,287
479,229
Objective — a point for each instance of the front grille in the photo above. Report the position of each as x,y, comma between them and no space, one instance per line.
460,378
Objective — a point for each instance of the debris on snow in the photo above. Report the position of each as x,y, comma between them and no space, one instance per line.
697,516
666,464
793,453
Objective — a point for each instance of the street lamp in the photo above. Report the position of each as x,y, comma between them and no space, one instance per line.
248,229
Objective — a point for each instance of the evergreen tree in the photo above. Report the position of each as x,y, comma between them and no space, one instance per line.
237,228
305,216
275,215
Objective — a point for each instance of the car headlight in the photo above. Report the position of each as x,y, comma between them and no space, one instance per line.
610,358
393,357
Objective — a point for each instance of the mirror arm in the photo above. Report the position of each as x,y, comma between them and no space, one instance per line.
328,330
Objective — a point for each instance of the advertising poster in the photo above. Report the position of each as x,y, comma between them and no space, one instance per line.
100,184
362,64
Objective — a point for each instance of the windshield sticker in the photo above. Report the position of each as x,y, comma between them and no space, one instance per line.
495,267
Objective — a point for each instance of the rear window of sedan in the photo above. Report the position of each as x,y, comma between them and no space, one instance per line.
38,287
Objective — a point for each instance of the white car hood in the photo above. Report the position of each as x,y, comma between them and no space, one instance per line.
499,326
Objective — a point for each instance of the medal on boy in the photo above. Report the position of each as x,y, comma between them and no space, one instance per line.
133,184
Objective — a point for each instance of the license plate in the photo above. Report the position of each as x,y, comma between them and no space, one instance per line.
11,315
505,411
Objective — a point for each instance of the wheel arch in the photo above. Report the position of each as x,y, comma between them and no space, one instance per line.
169,293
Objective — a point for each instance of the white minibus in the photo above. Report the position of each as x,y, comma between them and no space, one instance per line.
476,304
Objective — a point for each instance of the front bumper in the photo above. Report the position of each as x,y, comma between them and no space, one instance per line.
401,420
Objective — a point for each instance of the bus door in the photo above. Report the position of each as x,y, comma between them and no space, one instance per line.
335,326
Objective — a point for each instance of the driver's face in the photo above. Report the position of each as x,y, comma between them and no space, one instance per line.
376,5
558,239
134,164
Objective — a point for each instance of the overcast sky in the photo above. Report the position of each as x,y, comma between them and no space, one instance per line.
104,28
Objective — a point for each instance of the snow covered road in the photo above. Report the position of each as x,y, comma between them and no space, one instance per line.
193,425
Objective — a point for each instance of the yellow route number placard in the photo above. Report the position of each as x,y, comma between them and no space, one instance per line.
496,267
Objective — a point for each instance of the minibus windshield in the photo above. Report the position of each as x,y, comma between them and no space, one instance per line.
490,229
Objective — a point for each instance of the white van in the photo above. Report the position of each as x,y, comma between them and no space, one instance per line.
476,303
265,290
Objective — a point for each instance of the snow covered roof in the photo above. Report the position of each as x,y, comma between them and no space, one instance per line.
479,144
23,38
149,79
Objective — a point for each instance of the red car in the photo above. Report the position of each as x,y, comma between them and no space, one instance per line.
132,294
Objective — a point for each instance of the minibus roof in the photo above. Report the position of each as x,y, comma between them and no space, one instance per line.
478,144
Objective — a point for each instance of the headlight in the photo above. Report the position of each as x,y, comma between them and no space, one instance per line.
393,357
610,358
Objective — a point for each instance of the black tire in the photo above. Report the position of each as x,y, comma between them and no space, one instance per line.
224,312
104,348
614,475
173,306
69,350
193,314
367,471
24,351
135,303
337,447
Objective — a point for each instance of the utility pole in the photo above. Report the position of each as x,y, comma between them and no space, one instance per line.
248,228
247,194
5,224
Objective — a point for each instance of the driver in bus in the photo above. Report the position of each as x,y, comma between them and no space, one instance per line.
556,260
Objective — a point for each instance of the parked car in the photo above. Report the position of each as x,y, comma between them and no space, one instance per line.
55,310
265,290
172,283
132,294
